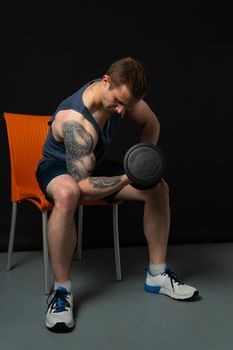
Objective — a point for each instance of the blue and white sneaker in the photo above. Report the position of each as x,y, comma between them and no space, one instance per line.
59,314
169,284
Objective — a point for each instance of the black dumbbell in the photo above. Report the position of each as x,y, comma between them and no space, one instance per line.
144,165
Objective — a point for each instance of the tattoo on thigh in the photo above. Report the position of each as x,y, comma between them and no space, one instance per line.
80,159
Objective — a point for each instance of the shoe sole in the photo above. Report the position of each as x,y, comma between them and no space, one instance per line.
60,327
156,290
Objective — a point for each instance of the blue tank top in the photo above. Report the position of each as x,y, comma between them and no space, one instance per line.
55,150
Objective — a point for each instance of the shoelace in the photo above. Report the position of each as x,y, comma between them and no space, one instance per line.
59,300
173,277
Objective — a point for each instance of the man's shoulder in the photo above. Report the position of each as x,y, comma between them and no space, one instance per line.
69,115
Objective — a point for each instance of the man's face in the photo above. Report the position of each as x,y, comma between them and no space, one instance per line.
116,99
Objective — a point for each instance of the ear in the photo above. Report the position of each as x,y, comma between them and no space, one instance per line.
106,79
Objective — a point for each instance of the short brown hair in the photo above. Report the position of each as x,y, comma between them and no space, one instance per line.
132,73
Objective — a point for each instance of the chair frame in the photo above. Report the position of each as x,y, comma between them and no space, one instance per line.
46,262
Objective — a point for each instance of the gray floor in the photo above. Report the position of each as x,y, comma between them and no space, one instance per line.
120,315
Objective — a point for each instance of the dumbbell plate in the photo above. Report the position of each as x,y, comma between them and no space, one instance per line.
144,164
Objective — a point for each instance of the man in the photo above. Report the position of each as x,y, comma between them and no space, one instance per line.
74,166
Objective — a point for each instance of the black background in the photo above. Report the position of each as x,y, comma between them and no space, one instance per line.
49,49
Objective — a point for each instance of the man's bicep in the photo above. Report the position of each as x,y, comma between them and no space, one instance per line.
76,138
78,146
82,168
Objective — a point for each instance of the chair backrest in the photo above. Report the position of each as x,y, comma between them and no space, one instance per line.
26,135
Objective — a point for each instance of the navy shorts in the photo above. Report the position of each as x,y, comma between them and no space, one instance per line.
49,169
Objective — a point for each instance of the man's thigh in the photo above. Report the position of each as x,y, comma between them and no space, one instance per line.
52,174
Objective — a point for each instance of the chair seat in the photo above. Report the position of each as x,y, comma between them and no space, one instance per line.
98,202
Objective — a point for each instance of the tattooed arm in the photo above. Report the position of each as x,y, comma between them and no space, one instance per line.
80,162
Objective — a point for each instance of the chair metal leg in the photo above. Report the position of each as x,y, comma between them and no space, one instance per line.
116,242
80,232
115,236
45,253
12,235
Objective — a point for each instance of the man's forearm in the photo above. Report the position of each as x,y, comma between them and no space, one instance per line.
150,133
101,186
151,130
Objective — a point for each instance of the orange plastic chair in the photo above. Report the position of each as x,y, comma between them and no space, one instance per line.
26,135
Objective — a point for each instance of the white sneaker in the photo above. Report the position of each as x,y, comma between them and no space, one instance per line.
59,314
169,284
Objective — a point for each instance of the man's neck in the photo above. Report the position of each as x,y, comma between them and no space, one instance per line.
96,106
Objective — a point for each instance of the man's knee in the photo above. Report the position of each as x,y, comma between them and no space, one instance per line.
161,191
164,187
66,198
